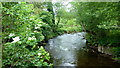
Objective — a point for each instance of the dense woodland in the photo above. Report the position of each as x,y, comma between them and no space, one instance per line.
27,26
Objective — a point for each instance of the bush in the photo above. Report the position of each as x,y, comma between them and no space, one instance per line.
21,33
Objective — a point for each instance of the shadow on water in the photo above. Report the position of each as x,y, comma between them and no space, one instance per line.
91,59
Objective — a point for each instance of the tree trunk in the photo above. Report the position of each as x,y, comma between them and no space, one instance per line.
50,9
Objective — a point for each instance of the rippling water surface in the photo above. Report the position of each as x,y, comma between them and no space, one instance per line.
67,50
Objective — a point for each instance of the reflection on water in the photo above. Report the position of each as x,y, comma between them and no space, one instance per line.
92,59
66,50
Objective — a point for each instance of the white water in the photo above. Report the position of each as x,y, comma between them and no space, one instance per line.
63,48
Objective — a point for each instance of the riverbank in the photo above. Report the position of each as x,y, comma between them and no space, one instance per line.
108,53
87,58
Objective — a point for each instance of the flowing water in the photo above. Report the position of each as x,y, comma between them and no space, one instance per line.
67,50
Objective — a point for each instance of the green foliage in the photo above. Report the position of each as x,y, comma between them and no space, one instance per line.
25,25
16,55
0,34
102,23
65,18
22,30
116,51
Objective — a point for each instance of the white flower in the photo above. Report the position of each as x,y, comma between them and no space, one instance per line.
36,27
40,22
11,34
29,38
32,38
39,53
16,39
19,2
35,31
28,28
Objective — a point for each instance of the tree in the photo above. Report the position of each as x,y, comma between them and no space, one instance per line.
99,21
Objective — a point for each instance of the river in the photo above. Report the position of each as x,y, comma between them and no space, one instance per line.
69,50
